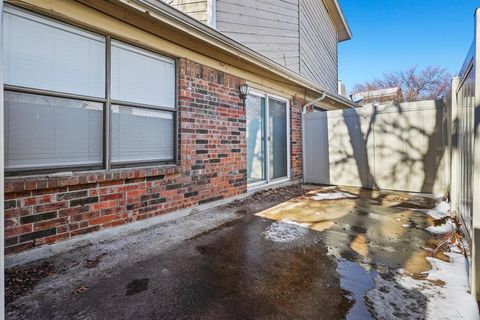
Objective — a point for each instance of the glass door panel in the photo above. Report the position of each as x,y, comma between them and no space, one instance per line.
256,141
277,138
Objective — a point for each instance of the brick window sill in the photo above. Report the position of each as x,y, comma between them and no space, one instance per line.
50,181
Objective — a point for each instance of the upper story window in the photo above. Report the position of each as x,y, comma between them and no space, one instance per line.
61,85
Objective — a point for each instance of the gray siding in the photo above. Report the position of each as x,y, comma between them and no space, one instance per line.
269,27
298,34
194,8
318,44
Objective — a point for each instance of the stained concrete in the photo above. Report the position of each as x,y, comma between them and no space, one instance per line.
235,262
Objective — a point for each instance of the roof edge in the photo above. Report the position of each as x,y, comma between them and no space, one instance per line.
343,29
167,14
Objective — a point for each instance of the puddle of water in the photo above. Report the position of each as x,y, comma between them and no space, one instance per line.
136,286
355,279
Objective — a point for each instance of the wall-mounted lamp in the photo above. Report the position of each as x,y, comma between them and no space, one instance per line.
244,90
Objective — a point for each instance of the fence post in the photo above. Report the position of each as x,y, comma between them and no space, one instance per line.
453,153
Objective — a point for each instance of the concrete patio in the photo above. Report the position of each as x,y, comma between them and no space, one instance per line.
299,252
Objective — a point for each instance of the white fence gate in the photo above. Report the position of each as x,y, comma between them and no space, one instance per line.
399,147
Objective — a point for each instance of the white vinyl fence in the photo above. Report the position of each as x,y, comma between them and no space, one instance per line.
399,147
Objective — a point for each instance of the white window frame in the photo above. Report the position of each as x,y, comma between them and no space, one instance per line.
269,182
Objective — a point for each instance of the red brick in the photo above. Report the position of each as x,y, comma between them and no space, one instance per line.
19,247
72,211
10,232
101,220
112,196
51,239
50,223
136,193
18,212
50,207
103,205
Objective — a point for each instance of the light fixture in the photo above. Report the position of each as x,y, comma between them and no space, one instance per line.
244,90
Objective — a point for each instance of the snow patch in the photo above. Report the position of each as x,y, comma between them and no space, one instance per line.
441,210
398,296
285,231
332,196
447,227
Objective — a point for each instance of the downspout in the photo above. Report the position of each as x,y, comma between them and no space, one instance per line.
304,110
311,103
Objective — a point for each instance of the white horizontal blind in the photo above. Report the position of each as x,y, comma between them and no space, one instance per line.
43,54
43,131
140,134
141,76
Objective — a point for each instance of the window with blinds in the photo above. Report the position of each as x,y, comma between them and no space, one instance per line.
58,95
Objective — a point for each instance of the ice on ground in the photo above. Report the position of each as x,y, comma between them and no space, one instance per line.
285,231
332,196
442,295
437,196
392,299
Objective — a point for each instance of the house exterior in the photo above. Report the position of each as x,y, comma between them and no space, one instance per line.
119,111
299,34
382,96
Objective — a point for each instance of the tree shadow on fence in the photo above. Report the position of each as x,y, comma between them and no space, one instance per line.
392,150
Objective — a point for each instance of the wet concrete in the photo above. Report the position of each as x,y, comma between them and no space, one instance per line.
246,267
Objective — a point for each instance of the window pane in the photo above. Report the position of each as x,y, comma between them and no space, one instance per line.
140,134
141,76
255,138
43,131
44,54
277,118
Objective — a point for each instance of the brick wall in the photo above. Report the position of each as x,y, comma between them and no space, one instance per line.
212,166
296,160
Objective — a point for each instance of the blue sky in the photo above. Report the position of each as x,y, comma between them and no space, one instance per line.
393,35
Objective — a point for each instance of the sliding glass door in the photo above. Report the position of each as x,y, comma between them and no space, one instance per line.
267,139
256,133
277,125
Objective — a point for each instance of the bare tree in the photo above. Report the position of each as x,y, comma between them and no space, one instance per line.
426,84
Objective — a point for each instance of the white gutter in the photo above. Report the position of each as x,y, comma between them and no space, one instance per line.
181,21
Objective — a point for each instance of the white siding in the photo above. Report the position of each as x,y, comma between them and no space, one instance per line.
194,8
269,27
318,44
